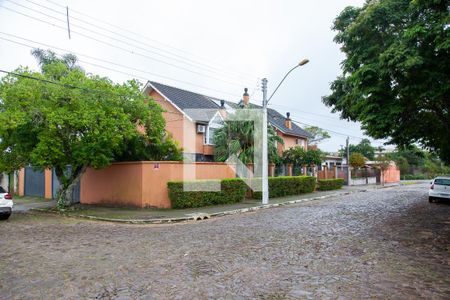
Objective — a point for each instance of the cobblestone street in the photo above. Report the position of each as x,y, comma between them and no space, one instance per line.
389,243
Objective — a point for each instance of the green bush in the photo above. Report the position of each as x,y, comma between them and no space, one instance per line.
232,191
416,176
288,186
330,184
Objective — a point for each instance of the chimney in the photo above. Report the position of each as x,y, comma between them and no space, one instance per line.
246,97
222,104
287,121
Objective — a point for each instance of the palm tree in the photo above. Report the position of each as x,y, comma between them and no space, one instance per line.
237,137
48,57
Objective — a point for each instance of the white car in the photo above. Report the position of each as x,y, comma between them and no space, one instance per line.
6,204
439,189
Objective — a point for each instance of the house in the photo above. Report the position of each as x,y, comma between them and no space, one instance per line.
191,119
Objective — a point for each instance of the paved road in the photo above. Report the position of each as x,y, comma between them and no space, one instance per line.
390,243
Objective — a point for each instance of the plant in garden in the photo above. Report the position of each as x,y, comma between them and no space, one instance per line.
236,137
65,117
299,156
395,77
357,160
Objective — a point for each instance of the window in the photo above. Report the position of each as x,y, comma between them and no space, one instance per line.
213,125
442,181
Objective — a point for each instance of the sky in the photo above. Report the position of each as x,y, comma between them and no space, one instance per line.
216,48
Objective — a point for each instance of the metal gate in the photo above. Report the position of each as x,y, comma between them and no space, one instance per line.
55,187
34,182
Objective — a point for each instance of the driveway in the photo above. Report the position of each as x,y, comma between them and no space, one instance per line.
389,243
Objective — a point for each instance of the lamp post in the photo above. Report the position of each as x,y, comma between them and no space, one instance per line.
265,154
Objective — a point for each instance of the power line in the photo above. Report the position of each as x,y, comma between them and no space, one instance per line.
302,111
116,46
180,58
69,86
245,74
108,62
333,131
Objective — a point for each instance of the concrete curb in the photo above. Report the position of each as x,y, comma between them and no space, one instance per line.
204,216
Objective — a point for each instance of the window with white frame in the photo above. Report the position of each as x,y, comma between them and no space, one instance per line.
213,125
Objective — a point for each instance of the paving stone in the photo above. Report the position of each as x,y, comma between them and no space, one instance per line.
388,244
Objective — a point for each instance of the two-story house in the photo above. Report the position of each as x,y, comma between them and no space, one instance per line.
191,119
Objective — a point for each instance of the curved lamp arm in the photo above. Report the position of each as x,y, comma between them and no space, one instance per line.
301,63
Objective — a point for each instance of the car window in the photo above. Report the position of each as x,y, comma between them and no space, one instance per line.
2,190
441,181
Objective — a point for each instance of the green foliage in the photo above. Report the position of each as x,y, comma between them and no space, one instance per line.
288,186
364,147
237,137
357,160
318,134
330,184
413,160
299,157
395,76
232,191
83,120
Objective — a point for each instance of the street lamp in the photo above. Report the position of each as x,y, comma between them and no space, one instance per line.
265,154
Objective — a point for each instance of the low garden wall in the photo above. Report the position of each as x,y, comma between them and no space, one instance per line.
144,184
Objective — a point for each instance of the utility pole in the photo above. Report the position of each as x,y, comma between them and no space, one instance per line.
348,161
265,159
265,155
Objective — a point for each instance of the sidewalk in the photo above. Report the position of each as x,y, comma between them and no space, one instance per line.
25,204
154,215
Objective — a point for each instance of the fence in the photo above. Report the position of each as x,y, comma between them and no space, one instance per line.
144,184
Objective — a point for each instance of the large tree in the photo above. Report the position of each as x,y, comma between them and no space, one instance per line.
364,147
395,78
62,117
318,134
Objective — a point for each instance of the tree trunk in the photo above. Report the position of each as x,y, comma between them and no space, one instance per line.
68,183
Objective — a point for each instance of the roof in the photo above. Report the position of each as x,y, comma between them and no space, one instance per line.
189,102
278,120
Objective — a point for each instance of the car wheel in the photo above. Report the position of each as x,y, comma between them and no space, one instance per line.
4,216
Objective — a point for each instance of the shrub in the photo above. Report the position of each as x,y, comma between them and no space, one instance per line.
330,184
288,186
232,191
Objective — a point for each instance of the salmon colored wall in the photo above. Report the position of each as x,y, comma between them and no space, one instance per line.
120,183
155,180
177,125
289,142
143,184
21,182
48,184
208,150
391,175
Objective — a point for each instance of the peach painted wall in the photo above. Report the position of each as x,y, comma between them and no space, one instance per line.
48,184
289,142
155,179
21,182
120,183
143,184
391,175
177,125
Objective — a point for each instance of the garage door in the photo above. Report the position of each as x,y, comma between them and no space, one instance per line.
34,182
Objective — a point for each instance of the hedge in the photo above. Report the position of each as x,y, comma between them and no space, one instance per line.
232,191
288,186
330,184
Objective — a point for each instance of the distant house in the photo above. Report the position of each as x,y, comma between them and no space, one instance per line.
192,118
